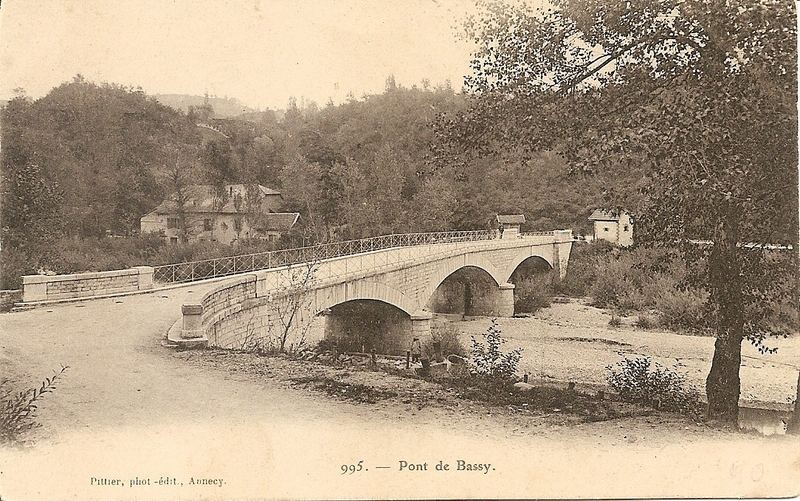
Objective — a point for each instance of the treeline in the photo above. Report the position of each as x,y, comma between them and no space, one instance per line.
89,160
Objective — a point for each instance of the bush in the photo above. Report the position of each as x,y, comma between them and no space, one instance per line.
13,265
325,344
532,294
623,277
643,381
582,267
650,279
683,309
645,322
615,321
448,335
17,410
488,360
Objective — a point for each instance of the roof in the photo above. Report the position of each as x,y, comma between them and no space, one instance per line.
276,221
605,215
510,218
266,191
207,198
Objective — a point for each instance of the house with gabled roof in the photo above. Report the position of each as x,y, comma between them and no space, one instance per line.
222,214
613,226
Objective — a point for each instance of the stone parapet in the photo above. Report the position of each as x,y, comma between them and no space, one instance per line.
36,288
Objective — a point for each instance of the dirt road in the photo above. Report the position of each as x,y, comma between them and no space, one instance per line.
129,409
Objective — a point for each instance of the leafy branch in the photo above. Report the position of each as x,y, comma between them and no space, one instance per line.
17,411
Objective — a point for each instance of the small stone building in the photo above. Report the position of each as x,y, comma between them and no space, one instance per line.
225,214
510,224
615,227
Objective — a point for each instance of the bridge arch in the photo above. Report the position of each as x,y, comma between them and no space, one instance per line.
364,325
468,286
450,266
518,259
362,290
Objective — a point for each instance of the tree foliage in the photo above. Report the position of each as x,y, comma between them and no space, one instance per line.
698,97
101,147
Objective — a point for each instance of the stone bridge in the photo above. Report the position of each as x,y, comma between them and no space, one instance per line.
275,307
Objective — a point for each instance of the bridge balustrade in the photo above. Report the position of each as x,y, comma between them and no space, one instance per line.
224,266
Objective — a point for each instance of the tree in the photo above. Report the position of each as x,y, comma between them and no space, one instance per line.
101,144
30,208
178,172
29,196
302,190
221,163
698,95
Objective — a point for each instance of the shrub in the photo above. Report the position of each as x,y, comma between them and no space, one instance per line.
617,283
582,268
623,276
488,360
683,309
642,381
532,294
448,335
17,410
615,321
645,322
13,265
325,344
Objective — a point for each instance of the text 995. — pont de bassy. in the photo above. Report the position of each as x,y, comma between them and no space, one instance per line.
403,466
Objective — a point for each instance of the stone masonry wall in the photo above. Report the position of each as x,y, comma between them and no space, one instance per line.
58,287
226,302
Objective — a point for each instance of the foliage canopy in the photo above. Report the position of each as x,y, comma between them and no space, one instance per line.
697,96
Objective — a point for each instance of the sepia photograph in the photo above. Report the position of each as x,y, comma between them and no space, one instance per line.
427,249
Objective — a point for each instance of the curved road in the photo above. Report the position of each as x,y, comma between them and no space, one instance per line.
127,408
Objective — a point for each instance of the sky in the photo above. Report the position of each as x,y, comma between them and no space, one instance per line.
258,51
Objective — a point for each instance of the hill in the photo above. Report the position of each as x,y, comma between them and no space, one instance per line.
224,107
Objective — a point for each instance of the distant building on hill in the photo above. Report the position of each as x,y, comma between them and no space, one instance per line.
510,224
221,214
616,228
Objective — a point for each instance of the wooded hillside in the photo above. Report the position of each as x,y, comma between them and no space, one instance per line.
87,160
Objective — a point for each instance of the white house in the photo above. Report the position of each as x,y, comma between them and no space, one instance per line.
236,211
616,228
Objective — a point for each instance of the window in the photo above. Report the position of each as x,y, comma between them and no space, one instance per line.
625,228
172,222
605,228
207,225
237,224
173,240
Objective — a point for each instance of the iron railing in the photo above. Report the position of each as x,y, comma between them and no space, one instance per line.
224,266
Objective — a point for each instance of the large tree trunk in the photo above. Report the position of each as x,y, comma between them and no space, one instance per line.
722,383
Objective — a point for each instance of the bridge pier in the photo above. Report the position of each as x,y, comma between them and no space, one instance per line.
493,301
505,300
421,325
